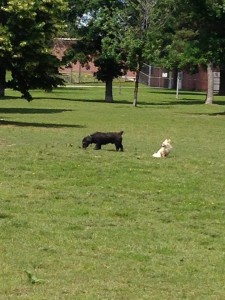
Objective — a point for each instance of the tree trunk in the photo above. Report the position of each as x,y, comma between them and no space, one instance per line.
2,79
209,97
136,88
108,91
222,82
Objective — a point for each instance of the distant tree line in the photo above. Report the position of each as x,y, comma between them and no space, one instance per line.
116,35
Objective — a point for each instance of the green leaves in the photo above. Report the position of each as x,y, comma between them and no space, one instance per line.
194,34
5,43
27,29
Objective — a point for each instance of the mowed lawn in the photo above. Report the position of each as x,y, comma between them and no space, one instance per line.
86,224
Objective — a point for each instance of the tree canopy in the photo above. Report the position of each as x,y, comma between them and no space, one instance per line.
27,29
96,28
194,35
116,34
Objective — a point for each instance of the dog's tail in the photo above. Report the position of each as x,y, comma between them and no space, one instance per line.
121,132
156,154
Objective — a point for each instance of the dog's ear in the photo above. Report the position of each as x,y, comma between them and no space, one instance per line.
164,143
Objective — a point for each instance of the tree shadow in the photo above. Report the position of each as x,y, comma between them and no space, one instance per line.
73,99
219,102
210,114
217,114
164,103
42,125
181,101
184,101
173,92
7,98
6,110
128,102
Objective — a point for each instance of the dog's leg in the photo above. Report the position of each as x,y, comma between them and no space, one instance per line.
119,146
98,147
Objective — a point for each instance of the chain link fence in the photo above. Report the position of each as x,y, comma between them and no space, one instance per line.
156,77
162,78
150,75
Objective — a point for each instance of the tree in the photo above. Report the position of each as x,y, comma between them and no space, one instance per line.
96,29
116,32
211,38
108,69
27,29
196,36
143,19
138,18
209,97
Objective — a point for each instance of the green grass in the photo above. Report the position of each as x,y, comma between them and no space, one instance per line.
78,224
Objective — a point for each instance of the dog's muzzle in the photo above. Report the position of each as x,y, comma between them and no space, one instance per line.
84,145
86,142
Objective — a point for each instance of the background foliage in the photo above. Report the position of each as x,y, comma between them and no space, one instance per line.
27,31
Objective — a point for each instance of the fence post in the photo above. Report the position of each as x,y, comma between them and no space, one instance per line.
170,84
79,74
179,79
149,74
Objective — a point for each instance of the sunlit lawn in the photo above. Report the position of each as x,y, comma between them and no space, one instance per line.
78,224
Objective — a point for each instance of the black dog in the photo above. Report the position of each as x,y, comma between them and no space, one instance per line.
103,138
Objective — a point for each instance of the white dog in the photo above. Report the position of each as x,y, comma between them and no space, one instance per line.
164,150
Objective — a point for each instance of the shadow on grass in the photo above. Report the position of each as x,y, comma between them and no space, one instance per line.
173,92
217,114
101,150
219,102
72,99
32,110
173,102
165,102
7,98
181,101
130,102
209,114
42,125
169,102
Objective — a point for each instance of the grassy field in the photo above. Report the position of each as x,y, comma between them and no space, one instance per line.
90,225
